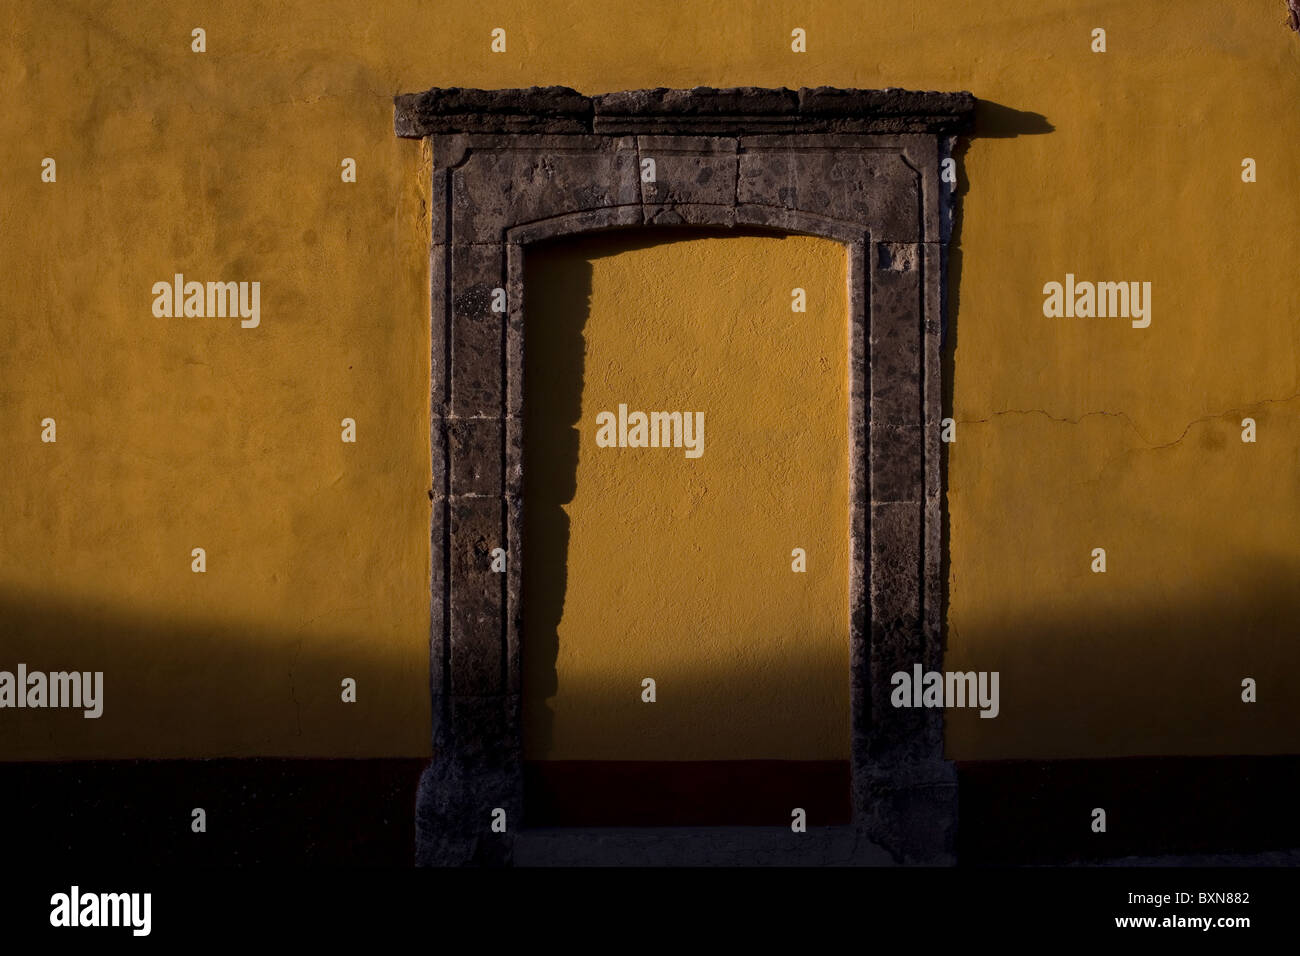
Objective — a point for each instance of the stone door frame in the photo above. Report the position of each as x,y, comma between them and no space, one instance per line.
514,167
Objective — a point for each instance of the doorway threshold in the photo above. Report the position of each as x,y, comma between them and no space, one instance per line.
697,846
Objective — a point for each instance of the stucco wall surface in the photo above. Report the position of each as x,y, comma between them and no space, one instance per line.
1072,434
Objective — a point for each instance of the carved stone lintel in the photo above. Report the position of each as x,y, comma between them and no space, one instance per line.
736,111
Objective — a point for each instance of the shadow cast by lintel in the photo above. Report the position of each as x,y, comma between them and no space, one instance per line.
992,121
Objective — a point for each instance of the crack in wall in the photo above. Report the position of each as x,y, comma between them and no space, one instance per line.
1151,445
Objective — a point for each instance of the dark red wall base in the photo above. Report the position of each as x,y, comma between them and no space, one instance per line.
685,793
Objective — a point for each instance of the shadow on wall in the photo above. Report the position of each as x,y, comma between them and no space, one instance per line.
1067,691
995,121
181,685
558,285
992,121
159,679
553,378
361,811
1160,677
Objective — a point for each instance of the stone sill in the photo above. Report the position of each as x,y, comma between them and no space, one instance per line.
697,846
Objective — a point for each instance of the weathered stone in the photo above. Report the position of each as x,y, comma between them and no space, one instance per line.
474,771
514,456
913,812
495,189
897,466
477,597
589,220
514,601
486,739
514,167
932,583
440,336
895,337
514,363
875,188
932,295
537,109
474,447
794,221
896,543
859,493
690,214
701,102
688,169
886,111
476,332
439,602
921,154
557,109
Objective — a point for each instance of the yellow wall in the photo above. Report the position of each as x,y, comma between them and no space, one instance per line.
180,433
673,568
